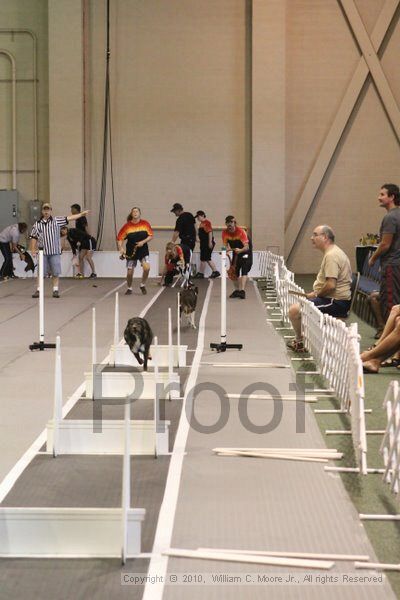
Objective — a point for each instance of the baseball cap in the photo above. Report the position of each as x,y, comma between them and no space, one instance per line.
176,206
47,205
200,213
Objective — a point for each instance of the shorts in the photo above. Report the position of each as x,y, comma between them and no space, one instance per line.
132,263
244,262
89,244
390,288
206,253
329,306
52,264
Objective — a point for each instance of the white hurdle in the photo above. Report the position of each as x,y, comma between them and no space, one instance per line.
41,345
391,440
156,399
170,355
178,323
57,408
126,482
116,326
94,344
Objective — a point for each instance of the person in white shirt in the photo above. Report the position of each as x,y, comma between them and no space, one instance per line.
9,239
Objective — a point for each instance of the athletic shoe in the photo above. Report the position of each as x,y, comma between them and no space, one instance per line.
242,294
56,294
36,294
128,292
198,276
79,276
296,346
92,276
143,290
235,294
215,274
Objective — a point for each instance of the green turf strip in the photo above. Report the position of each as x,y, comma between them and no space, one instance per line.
368,492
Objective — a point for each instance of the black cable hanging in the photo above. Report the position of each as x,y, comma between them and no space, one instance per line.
107,145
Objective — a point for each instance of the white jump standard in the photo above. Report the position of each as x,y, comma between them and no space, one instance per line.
223,346
41,345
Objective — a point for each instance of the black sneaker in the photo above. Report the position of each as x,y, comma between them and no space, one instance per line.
92,276
215,274
242,294
56,294
198,276
36,294
128,292
235,294
143,290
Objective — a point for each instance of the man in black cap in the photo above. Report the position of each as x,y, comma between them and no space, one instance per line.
184,227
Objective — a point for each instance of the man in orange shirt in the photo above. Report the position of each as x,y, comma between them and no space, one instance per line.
136,233
235,238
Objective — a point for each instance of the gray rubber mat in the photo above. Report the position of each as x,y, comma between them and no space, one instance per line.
259,504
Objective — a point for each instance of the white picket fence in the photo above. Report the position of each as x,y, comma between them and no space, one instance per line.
334,348
390,447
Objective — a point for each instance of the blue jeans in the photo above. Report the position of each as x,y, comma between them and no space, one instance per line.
7,269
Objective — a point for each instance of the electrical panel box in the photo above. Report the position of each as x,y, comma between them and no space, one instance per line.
8,208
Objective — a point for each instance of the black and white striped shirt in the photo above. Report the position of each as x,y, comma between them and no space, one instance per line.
47,233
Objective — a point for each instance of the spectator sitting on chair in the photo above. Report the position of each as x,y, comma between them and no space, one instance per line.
9,239
387,346
235,238
331,290
207,244
184,227
177,256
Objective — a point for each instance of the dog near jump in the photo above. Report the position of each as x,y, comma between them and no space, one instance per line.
139,336
188,302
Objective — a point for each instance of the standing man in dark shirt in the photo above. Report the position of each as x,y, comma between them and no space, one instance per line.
235,238
184,227
88,244
389,248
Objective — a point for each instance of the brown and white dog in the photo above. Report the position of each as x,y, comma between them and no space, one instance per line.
188,302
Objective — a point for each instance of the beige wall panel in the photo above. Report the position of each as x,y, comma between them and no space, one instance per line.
66,104
178,108
32,15
368,156
321,57
268,124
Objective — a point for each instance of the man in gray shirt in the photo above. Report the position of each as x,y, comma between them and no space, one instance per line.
388,250
9,239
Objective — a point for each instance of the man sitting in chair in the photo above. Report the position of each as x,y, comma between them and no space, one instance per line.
332,288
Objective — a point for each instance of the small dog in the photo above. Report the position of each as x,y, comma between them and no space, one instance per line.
30,266
138,336
188,299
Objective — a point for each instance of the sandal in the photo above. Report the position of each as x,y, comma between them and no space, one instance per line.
296,346
391,362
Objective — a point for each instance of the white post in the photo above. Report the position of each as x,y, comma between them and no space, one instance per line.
41,297
223,296
178,324
170,353
94,350
116,320
126,482
57,409
156,396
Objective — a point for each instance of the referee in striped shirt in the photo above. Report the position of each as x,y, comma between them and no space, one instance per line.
45,235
